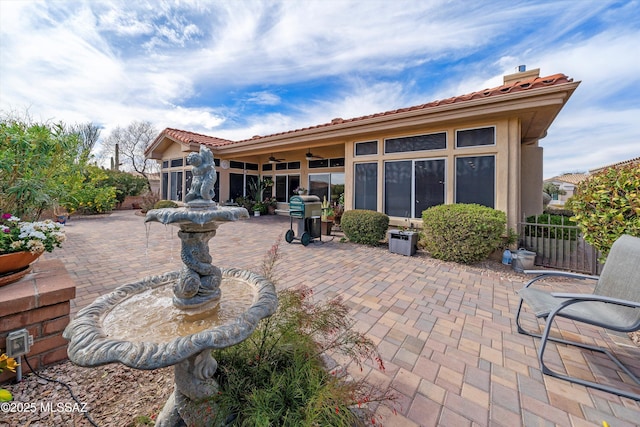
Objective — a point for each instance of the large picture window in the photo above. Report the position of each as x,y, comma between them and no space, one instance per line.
366,186
329,185
411,186
475,180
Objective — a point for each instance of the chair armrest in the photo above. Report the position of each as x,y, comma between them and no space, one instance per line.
593,297
542,274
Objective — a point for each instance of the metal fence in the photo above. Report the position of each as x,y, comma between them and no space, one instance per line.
558,244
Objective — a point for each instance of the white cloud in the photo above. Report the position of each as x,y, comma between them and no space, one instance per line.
176,63
264,98
193,118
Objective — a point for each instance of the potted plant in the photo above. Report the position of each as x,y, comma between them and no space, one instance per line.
271,204
23,242
259,208
300,191
326,217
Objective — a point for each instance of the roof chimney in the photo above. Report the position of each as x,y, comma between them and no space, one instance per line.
521,74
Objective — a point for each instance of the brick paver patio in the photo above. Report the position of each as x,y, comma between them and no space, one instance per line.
446,332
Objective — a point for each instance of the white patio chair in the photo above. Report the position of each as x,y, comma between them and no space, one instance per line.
614,304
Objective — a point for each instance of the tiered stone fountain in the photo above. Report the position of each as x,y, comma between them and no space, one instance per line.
179,317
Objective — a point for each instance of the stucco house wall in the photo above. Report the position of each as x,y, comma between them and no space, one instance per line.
492,134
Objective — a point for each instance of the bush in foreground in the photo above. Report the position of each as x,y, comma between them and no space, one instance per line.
464,233
607,205
364,226
277,377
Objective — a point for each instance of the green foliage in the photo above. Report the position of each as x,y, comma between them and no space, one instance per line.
364,226
35,160
552,189
277,377
559,211
260,207
464,233
550,227
607,205
89,192
35,237
162,204
126,184
245,202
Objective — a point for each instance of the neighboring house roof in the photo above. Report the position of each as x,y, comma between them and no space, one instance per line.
529,84
570,178
634,161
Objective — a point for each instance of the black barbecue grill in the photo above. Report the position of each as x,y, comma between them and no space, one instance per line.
305,212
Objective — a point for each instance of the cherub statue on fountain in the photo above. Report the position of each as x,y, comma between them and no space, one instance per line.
204,178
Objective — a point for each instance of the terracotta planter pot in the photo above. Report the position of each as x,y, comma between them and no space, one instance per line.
326,228
15,265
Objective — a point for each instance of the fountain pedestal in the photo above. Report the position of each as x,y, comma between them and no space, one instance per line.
197,297
199,281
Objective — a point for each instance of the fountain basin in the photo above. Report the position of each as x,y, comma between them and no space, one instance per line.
91,345
197,219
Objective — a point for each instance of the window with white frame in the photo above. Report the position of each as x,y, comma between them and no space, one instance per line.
476,180
411,186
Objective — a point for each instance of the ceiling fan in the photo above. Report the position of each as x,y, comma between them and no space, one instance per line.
272,159
310,156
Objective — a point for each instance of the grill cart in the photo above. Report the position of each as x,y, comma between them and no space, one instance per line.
305,212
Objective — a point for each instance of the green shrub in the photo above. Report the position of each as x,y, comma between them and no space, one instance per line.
277,377
126,184
87,193
607,205
559,211
548,227
363,226
162,204
93,200
35,162
463,233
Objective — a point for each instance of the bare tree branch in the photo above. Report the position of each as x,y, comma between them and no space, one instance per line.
132,141
88,134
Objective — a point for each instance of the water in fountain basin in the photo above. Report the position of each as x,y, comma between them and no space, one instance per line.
150,316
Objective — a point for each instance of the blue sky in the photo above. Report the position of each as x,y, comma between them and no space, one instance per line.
235,69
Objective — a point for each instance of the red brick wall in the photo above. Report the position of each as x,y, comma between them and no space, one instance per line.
40,302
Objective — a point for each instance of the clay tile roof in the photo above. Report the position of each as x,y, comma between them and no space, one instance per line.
511,87
570,178
527,84
635,161
187,137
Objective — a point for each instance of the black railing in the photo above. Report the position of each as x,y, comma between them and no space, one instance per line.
558,244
